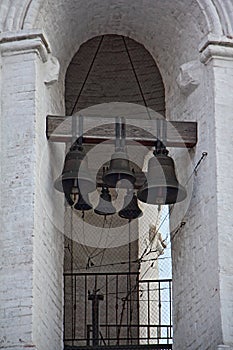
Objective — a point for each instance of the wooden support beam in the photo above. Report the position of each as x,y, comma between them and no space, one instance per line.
97,130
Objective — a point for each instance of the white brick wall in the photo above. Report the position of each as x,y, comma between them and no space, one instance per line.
17,198
32,247
223,73
202,302
197,255
48,238
195,266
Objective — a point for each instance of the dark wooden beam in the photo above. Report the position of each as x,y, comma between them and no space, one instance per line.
179,134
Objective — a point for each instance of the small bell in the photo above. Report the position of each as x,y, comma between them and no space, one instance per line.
131,209
83,203
118,170
162,186
75,175
105,206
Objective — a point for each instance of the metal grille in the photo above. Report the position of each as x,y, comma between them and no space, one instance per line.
116,309
155,301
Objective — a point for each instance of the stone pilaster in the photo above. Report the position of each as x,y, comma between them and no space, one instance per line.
219,55
31,287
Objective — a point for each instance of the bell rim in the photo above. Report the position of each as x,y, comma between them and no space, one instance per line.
99,212
90,183
86,209
83,201
181,195
58,184
132,218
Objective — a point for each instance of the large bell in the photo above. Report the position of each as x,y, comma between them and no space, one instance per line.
162,186
105,206
131,209
119,169
75,176
83,203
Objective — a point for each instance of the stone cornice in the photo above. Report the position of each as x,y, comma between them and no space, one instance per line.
25,41
216,47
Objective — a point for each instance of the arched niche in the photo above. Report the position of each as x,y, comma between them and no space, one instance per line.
115,74
113,68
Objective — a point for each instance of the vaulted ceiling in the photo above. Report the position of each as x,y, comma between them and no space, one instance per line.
112,68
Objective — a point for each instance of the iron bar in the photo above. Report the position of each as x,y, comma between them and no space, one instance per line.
123,347
148,309
117,134
117,280
167,328
85,308
75,303
160,306
106,301
170,299
74,129
138,309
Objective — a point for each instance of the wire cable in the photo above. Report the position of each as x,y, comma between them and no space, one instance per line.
136,77
87,75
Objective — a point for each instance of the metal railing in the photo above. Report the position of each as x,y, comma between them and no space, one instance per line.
116,309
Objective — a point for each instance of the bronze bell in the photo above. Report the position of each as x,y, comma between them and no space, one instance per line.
162,186
83,203
131,209
105,206
75,176
118,170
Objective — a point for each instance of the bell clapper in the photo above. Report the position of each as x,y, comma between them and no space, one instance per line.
75,191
